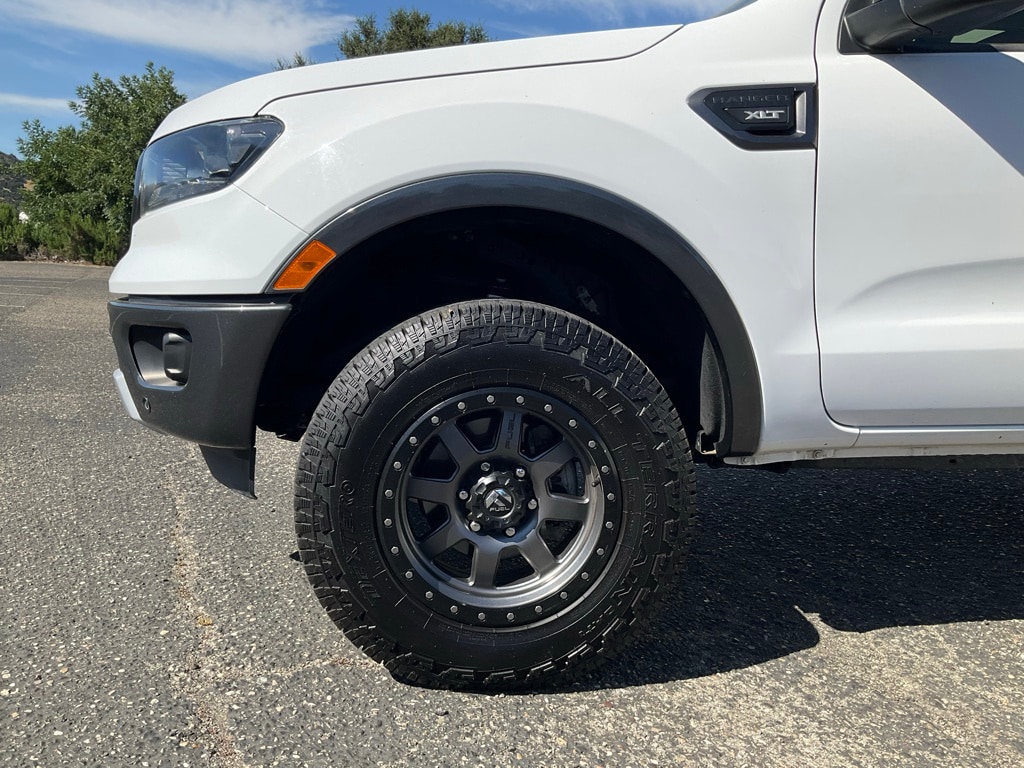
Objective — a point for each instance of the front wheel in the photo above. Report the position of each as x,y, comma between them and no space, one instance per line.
492,494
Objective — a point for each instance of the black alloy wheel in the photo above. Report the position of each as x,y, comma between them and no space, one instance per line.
506,503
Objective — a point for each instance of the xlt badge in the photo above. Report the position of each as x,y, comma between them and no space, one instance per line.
755,110
776,117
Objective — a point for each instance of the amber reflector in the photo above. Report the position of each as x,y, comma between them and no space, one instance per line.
304,267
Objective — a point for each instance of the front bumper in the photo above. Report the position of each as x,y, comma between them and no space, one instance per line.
192,369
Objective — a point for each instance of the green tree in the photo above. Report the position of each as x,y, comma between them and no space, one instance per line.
406,30
298,59
82,176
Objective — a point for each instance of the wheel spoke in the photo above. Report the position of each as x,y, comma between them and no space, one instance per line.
456,443
564,508
436,491
510,434
486,557
537,554
444,538
546,465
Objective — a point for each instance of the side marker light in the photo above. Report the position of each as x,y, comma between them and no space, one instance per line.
300,272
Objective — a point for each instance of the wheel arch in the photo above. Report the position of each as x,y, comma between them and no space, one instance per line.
729,384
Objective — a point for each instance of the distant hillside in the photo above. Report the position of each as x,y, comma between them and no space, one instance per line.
11,183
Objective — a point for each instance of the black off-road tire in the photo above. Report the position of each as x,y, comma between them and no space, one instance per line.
492,496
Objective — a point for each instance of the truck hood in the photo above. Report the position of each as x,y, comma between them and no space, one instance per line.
250,97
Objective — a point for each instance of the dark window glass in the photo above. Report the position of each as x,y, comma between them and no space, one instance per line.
1008,33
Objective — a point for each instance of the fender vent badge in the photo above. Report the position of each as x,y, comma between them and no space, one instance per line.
773,117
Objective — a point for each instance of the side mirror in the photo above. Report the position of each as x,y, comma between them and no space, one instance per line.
885,26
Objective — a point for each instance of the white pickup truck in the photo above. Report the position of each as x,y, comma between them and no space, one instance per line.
507,294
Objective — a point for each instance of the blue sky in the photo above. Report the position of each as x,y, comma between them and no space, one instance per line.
48,47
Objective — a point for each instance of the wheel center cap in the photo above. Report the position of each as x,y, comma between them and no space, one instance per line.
499,502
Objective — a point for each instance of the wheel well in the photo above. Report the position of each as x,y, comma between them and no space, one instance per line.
535,255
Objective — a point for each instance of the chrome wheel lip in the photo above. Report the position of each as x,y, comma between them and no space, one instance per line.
575,571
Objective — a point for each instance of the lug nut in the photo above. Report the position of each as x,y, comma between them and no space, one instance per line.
485,467
463,495
520,473
510,531
532,504
474,527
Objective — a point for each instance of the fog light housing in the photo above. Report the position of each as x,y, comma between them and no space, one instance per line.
177,349
163,356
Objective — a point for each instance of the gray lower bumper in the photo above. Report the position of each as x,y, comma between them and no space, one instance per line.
193,369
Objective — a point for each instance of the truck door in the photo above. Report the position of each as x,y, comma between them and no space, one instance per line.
919,246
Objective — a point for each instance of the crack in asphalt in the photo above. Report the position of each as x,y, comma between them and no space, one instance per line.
202,668
199,666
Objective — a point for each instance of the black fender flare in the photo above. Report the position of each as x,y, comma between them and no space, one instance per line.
565,196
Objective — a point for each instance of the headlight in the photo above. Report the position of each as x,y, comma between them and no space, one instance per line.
199,160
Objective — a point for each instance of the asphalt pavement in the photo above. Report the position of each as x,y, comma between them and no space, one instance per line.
149,617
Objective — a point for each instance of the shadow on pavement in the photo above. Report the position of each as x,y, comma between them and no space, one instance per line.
864,549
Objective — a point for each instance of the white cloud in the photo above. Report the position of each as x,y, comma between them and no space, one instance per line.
19,102
237,31
620,11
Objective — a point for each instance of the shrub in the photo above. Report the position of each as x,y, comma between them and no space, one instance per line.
15,238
